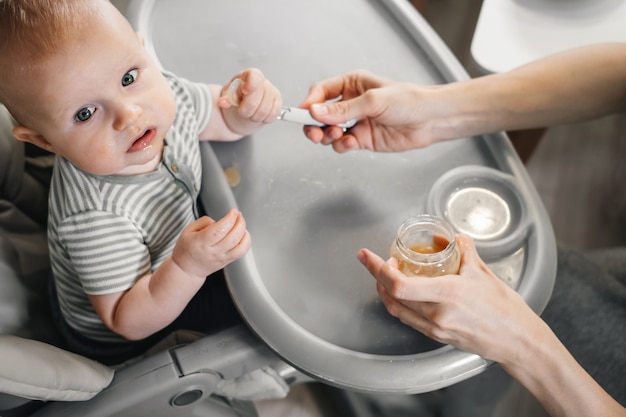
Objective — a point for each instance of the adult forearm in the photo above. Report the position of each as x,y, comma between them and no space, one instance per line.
571,86
561,385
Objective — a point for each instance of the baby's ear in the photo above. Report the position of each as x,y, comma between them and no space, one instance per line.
26,134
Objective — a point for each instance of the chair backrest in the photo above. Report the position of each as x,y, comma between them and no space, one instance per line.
24,260
29,368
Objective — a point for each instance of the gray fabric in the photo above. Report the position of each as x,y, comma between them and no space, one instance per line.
21,176
13,295
613,260
587,311
24,261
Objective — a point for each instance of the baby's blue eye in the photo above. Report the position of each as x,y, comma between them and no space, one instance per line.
129,77
85,114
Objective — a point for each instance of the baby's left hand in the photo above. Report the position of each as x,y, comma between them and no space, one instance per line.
256,98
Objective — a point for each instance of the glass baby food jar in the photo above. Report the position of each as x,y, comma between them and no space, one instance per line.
425,245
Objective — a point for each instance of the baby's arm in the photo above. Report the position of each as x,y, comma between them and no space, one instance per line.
155,300
260,104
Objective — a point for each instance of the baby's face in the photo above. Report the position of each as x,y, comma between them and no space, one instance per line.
105,105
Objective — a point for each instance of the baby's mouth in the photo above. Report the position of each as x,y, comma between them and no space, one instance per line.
143,141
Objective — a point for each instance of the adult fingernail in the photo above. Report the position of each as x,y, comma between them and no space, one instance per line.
320,109
361,257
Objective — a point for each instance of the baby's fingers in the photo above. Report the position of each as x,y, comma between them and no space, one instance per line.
260,99
241,247
235,235
216,231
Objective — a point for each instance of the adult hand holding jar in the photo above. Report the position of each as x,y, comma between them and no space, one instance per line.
477,312
471,310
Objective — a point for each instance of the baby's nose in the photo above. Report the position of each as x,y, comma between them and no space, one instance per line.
126,115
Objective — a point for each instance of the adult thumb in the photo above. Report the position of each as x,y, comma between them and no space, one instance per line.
337,112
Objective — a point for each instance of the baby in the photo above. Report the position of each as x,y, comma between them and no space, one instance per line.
129,254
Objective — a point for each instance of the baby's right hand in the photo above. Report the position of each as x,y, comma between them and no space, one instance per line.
206,246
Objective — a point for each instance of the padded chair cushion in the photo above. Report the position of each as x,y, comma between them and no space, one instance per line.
24,259
39,371
13,295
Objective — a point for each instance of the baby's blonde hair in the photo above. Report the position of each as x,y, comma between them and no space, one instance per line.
31,31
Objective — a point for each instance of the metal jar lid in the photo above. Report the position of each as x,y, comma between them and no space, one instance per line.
483,203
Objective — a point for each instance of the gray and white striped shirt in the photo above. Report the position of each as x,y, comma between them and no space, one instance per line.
105,232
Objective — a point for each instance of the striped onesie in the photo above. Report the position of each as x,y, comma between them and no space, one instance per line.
105,232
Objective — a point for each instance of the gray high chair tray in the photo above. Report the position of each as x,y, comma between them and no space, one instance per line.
309,210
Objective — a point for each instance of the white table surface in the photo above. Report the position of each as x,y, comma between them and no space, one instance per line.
510,33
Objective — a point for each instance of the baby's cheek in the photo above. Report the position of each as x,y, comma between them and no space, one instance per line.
101,159
105,151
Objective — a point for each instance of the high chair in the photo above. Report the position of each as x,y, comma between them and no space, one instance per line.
311,310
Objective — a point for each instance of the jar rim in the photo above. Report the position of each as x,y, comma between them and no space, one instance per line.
430,223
